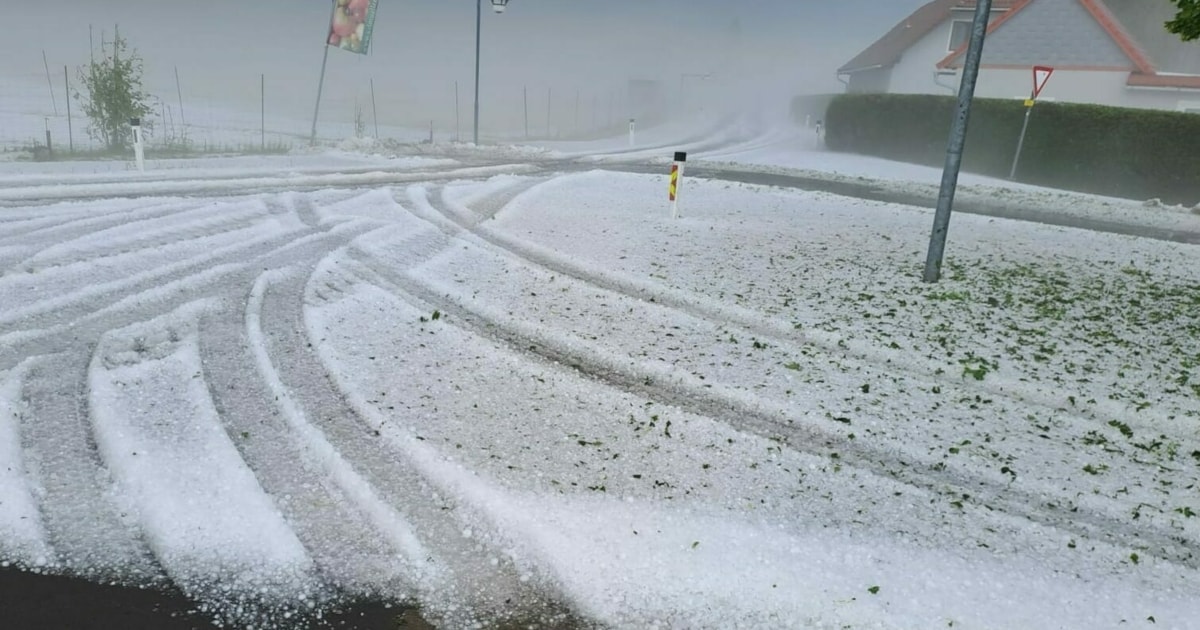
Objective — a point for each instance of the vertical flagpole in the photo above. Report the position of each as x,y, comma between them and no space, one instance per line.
312,139
374,109
478,40
49,83
179,91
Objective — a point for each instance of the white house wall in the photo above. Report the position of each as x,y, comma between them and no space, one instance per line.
869,81
914,73
1076,86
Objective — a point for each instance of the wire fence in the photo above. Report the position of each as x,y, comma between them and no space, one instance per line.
41,111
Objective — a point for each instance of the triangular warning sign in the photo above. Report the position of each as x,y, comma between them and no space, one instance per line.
1041,74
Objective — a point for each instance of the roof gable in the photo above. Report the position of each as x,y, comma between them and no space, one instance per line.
1067,33
1144,22
888,49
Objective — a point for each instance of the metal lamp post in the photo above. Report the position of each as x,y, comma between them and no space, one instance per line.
498,6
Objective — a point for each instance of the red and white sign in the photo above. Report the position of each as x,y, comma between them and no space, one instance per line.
1041,74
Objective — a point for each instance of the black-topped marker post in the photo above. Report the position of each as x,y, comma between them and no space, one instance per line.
676,175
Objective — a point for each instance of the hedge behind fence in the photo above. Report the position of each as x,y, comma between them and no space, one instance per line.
1133,153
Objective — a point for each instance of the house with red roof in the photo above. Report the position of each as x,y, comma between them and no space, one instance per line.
1108,52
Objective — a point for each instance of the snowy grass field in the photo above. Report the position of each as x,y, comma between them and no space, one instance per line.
503,385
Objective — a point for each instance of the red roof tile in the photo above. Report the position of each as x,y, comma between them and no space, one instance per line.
1119,35
1180,81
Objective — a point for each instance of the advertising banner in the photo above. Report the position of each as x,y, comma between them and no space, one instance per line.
353,21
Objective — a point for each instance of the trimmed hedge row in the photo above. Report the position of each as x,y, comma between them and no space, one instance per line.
1132,153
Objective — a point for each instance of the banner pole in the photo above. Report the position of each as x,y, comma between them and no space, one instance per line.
179,92
49,82
374,109
312,138
478,41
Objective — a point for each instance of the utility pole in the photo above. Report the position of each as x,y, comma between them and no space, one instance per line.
958,137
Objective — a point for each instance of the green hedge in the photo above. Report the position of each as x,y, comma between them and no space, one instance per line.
1133,153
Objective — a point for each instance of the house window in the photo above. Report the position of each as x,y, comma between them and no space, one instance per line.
960,34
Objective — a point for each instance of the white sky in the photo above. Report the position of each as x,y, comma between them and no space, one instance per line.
422,47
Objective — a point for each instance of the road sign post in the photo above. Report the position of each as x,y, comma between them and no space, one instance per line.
1041,74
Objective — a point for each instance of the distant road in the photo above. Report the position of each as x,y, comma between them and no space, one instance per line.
875,193
475,166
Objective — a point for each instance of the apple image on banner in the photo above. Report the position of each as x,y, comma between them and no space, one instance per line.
343,24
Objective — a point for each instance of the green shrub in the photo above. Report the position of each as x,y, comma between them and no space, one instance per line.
1135,153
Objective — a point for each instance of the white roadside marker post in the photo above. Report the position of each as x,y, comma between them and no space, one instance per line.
632,132
676,175
139,151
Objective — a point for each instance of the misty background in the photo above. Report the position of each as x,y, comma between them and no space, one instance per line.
574,58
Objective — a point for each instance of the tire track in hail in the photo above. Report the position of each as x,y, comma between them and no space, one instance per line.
151,296
39,232
907,468
148,234
91,536
483,583
347,551
1171,543
60,309
56,229
21,220
216,534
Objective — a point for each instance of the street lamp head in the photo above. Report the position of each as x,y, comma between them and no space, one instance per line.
499,5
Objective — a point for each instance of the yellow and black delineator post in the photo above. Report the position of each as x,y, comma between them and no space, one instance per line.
676,175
